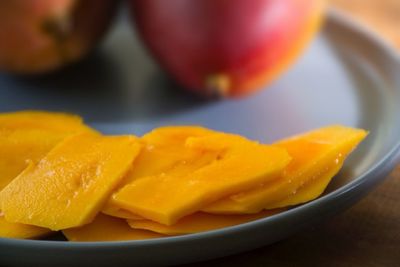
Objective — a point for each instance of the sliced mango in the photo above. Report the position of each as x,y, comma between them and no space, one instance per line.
149,161
169,196
198,222
172,138
20,147
69,186
30,135
107,228
23,231
155,159
309,191
316,155
41,120
113,210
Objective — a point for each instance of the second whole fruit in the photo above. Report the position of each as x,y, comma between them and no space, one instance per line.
38,36
226,47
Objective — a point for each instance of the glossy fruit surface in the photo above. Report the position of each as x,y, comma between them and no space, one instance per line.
37,36
226,47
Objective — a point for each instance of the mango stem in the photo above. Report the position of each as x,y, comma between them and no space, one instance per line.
218,85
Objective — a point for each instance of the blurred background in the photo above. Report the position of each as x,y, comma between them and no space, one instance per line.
383,16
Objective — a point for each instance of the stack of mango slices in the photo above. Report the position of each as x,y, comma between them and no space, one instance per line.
57,174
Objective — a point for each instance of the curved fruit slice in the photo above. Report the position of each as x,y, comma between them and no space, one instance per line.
309,191
29,135
163,152
236,164
106,228
68,187
315,155
114,211
198,222
150,161
55,122
168,136
23,231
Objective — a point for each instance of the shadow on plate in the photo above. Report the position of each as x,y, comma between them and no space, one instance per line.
96,89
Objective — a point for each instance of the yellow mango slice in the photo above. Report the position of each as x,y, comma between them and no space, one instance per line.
41,120
236,164
318,154
107,228
198,222
69,186
163,152
23,231
172,138
28,136
310,190
114,211
148,162
20,147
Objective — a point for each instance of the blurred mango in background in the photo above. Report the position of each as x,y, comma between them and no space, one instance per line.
211,47
226,47
37,36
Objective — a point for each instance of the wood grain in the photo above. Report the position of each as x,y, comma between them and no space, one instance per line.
368,234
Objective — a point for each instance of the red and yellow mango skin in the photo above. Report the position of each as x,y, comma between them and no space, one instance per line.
226,47
37,36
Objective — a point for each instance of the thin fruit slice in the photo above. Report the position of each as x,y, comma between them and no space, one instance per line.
237,164
163,152
23,231
69,186
114,211
318,154
42,120
174,135
107,228
309,191
28,136
198,222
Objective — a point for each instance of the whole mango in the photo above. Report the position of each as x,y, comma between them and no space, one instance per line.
38,36
226,47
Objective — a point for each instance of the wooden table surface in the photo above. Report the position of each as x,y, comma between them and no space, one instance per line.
368,234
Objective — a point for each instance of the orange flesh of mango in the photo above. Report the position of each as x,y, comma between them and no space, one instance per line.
179,171
113,210
28,136
156,158
42,120
198,222
107,228
69,186
23,231
167,197
20,147
315,155
309,191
